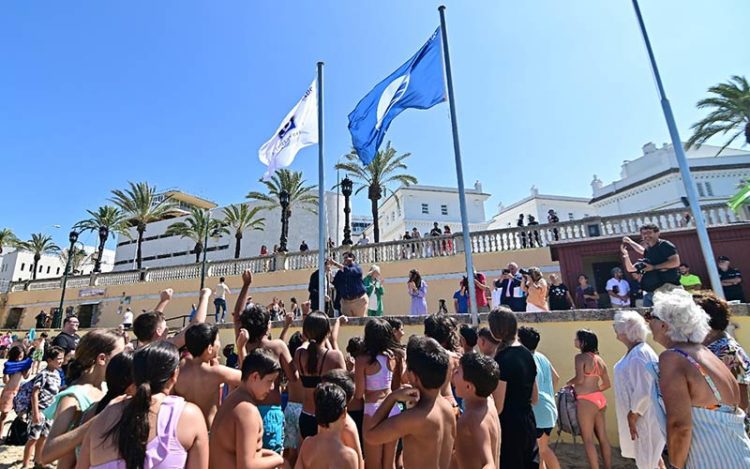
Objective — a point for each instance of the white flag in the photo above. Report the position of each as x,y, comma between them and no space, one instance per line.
298,130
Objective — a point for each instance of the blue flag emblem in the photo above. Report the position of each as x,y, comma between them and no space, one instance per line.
416,84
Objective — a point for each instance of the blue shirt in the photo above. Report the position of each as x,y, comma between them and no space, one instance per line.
463,301
545,410
349,283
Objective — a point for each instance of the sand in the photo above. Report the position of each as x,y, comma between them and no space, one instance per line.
10,456
572,456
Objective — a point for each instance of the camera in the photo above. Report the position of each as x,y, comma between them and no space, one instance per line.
640,266
615,289
523,272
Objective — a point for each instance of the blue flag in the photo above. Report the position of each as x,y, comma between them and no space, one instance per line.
416,84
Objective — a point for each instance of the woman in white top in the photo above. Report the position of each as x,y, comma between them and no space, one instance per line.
635,383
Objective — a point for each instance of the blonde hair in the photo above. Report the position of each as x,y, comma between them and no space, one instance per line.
686,320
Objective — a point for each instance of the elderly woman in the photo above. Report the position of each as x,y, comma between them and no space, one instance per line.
724,346
704,424
637,424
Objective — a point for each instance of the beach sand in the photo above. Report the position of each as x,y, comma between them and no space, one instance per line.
574,457
10,456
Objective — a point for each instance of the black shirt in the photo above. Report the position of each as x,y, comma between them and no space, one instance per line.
436,232
518,370
41,320
732,292
558,297
66,341
658,254
303,247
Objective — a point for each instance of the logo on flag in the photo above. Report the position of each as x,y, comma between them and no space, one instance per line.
416,84
298,130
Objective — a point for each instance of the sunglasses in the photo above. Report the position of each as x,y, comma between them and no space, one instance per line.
650,316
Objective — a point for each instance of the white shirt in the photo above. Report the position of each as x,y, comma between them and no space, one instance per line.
634,386
221,291
127,317
623,290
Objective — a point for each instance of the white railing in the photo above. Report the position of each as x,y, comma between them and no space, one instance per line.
506,239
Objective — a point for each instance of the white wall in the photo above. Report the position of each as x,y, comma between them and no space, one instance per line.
539,206
17,265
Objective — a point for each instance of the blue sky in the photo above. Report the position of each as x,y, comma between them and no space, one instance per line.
183,93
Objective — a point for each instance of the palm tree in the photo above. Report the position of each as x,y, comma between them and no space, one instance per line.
300,195
39,244
7,238
240,218
376,176
77,260
731,113
106,220
141,206
196,227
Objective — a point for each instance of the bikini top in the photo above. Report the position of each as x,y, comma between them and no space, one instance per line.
382,379
708,379
311,381
595,371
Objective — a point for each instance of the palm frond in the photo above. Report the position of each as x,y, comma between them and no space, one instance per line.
731,113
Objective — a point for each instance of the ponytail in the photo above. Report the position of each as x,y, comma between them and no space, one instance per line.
131,432
312,357
315,328
75,370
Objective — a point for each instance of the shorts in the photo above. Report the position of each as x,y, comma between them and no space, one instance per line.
6,400
292,437
543,431
518,446
38,354
39,430
127,327
308,425
273,427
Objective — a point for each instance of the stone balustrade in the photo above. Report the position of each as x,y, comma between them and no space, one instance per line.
505,239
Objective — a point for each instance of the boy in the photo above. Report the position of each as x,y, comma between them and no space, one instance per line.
256,320
428,425
478,430
199,380
152,326
468,338
237,430
220,302
486,344
45,387
325,450
351,434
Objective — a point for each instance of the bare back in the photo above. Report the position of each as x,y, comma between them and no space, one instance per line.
326,451
477,439
197,384
593,370
700,393
223,443
430,443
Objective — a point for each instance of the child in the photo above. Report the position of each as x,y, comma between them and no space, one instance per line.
199,380
486,344
45,387
40,343
237,432
478,430
428,426
325,449
293,409
468,338
14,371
351,434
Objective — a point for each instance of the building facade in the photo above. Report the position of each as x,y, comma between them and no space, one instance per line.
420,206
538,205
18,265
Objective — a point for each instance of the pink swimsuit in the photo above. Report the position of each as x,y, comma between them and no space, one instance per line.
165,450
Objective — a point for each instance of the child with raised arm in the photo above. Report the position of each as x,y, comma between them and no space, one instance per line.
478,430
428,425
199,380
325,450
237,432
152,326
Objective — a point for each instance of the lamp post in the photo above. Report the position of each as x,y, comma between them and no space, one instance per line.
284,201
346,189
103,235
57,318
205,249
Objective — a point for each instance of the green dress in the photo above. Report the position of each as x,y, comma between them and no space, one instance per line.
375,292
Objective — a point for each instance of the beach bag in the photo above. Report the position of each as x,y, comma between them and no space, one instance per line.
22,401
18,434
567,412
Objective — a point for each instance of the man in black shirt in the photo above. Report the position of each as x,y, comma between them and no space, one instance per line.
515,393
303,247
731,280
68,339
559,295
41,320
660,260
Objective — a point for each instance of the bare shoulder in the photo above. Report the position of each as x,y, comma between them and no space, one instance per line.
350,456
278,346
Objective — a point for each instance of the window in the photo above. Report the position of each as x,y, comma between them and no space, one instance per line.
425,209
23,266
570,216
709,189
40,269
48,267
58,271
444,210
700,190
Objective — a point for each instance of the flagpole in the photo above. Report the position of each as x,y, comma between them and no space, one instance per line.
459,173
687,178
321,199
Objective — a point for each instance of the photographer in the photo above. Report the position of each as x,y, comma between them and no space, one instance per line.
535,286
480,288
618,289
657,267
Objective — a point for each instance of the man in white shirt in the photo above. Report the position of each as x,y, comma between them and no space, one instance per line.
127,319
618,289
220,302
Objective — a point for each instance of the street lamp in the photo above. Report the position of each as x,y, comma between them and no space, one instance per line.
346,189
103,235
205,248
284,201
57,319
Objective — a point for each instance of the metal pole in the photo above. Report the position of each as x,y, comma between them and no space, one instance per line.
459,173
687,178
56,322
338,205
205,250
321,198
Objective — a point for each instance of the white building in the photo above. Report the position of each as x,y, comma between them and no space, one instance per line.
159,250
653,182
538,205
421,206
18,265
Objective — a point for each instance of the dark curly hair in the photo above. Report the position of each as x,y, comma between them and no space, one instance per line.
443,329
255,319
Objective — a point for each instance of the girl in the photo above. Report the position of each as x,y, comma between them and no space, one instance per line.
13,373
374,370
586,295
312,360
85,376
418,292
590,381
153,428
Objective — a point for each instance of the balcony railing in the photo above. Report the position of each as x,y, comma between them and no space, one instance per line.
505,239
